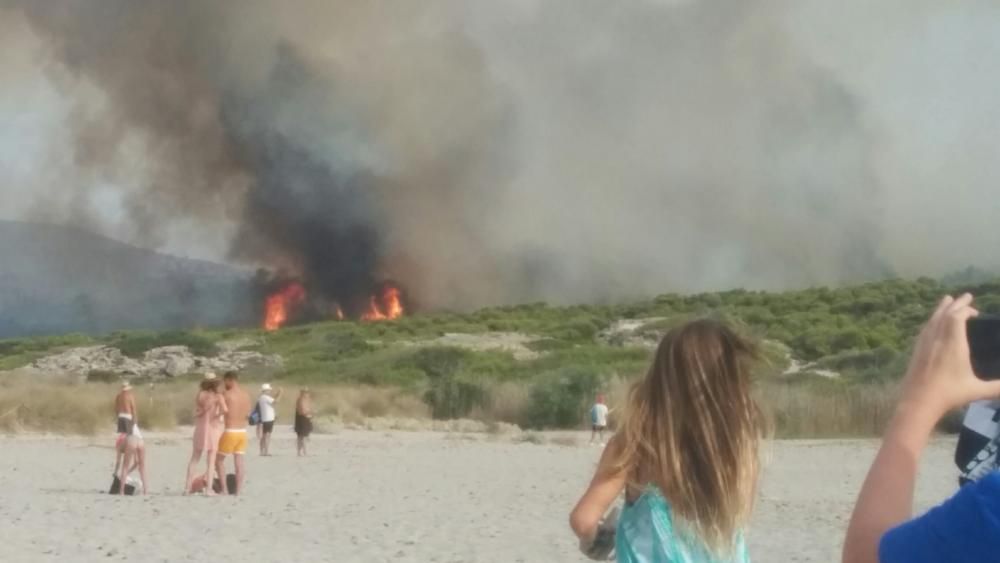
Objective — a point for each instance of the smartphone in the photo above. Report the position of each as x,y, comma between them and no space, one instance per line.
984,346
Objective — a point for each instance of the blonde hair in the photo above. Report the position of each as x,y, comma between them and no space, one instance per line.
693,429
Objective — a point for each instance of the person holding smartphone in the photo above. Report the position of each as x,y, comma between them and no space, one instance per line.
965,527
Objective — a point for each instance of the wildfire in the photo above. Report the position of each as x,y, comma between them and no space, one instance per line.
384,307
278,305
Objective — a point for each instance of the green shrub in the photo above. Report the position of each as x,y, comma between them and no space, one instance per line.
548,345
581,329
135,344
560,399
11,347
859,361
343,345
437,361
450,397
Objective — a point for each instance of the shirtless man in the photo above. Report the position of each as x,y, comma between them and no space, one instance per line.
125,407
234,438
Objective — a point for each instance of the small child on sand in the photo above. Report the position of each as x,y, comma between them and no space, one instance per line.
685,457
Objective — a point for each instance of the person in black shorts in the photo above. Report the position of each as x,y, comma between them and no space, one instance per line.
303,419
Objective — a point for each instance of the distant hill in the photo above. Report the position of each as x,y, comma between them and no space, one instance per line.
58,279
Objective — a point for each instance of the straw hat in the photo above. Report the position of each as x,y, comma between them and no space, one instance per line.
126,385
210,376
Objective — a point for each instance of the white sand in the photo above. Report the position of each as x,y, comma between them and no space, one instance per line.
402,497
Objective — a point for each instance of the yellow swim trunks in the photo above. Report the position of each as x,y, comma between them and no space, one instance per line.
233,442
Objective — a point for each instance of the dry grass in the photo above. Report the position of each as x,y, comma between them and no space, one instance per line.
508,403
73,407
813,410
353,404
829,411
70,407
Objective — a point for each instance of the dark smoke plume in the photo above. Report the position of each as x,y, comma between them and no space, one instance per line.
478,152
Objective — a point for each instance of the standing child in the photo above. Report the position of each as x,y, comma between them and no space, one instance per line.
598,419
685,457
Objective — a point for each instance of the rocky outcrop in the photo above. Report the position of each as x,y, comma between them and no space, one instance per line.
631,333
168,361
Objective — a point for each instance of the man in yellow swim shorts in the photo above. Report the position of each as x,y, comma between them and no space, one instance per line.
233,441
234,438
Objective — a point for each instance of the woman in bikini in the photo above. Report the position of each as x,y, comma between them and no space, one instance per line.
210,406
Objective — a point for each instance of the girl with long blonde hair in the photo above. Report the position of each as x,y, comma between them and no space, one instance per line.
686,456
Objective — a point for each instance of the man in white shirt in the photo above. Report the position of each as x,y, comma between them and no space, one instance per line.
598,419
265,404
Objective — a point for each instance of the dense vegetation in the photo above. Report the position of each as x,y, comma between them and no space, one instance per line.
861,332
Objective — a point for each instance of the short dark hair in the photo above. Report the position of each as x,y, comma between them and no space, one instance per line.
209,385
231,375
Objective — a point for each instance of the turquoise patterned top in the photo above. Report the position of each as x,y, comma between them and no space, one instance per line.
646,534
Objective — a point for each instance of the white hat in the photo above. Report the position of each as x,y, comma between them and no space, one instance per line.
210,376
265,387
126,385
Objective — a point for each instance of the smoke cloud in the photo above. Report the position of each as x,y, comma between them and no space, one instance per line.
496,152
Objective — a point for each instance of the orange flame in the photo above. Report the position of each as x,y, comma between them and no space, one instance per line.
278,305
388,306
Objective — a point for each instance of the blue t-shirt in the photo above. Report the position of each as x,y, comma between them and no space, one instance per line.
965,528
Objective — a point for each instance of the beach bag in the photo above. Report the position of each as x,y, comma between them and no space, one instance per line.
230,484
978,441
254,418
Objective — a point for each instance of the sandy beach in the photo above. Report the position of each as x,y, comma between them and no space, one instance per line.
389,496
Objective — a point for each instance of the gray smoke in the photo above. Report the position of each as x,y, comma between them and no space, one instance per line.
494,152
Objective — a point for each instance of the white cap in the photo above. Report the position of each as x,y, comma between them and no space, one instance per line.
210,376
265,387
